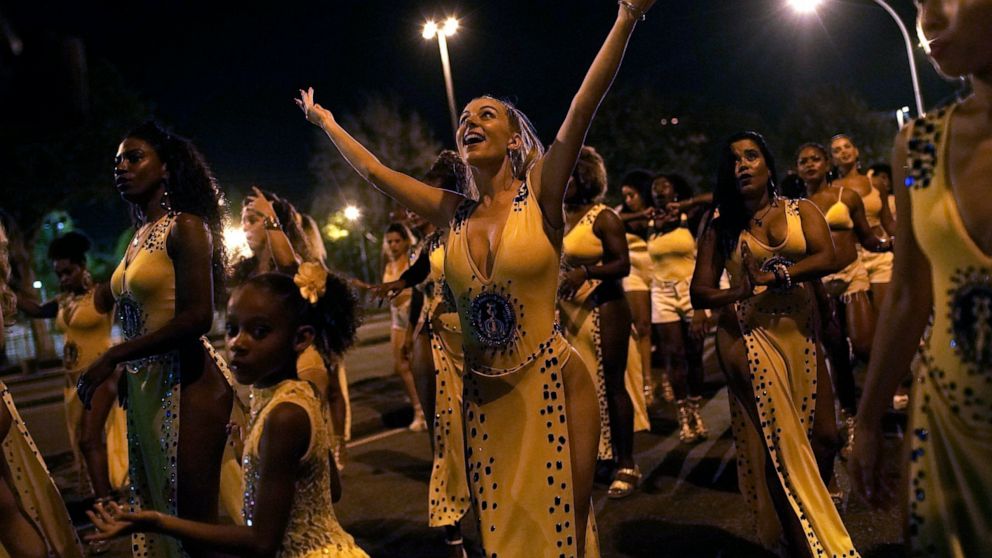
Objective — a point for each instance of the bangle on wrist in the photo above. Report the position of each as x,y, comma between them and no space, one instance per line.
632,9
271,224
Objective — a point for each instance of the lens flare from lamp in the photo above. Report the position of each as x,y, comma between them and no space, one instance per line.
805,6
430,29
352,213
236,243
450,27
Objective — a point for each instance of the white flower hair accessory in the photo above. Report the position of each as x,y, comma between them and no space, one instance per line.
311,278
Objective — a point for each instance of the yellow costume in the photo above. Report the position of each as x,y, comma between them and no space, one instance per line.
950,511
87,336
34,488
877,264
449,497
673,257
580,322
517,439
310,366
854,277
641,269
313,529
144,285
779,335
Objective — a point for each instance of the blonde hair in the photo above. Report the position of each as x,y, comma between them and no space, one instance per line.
532,149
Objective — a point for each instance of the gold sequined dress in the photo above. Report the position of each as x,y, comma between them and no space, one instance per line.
144,285
580,322
517,441
950,507
87,336
779,335
34,488
313,529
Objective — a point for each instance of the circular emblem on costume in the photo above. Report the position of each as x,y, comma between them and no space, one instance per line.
70,355
493,319
131,316
971,317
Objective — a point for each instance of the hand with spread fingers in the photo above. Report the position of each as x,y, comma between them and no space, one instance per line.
866,467
389,290
315,113
111,521
257,202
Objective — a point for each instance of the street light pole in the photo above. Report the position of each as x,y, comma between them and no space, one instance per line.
449,86
808,6
909,54
431,30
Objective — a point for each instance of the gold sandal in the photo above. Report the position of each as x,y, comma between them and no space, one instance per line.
624,483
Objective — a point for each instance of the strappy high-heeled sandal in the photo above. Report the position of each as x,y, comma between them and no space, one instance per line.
624,483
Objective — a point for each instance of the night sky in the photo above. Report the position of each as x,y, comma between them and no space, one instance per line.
225,74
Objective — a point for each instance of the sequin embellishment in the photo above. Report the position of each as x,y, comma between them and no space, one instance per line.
493,319
971,316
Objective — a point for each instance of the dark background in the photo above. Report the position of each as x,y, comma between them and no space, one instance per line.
225,74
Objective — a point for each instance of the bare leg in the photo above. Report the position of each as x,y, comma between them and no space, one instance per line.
673,350
640,313
878,293
93,438
582,409
205,408
18,535
839,353
401,366
824,440
614,342
422,368
733,361
860,317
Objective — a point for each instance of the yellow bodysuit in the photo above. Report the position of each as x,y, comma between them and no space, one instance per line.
854,277
87,336
517,440
581,324
877,264
779,335
950,510
144,285
449,497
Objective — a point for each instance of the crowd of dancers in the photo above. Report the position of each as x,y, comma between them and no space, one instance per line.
528,347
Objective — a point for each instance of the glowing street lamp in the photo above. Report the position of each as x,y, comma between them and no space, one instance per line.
809,6
352,213
447,29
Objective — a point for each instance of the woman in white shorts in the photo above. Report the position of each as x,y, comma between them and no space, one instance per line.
678,330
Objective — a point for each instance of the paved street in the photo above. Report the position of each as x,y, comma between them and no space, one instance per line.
688,505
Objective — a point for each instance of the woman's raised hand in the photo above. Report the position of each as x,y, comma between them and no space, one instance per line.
313,111
641,6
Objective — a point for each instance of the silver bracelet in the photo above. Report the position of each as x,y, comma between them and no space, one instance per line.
634,10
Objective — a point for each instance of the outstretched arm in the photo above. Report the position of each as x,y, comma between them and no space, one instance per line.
558,162
434,204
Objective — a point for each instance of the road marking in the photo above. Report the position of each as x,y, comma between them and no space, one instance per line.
375,437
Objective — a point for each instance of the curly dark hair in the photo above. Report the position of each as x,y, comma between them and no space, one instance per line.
683,191
191,187
71,246
449,172
334,316
881,168
589,175
640,180
727,197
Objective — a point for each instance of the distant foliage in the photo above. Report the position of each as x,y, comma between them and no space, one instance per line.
819,114
403,141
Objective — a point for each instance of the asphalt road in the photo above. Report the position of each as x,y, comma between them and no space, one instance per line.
687,506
